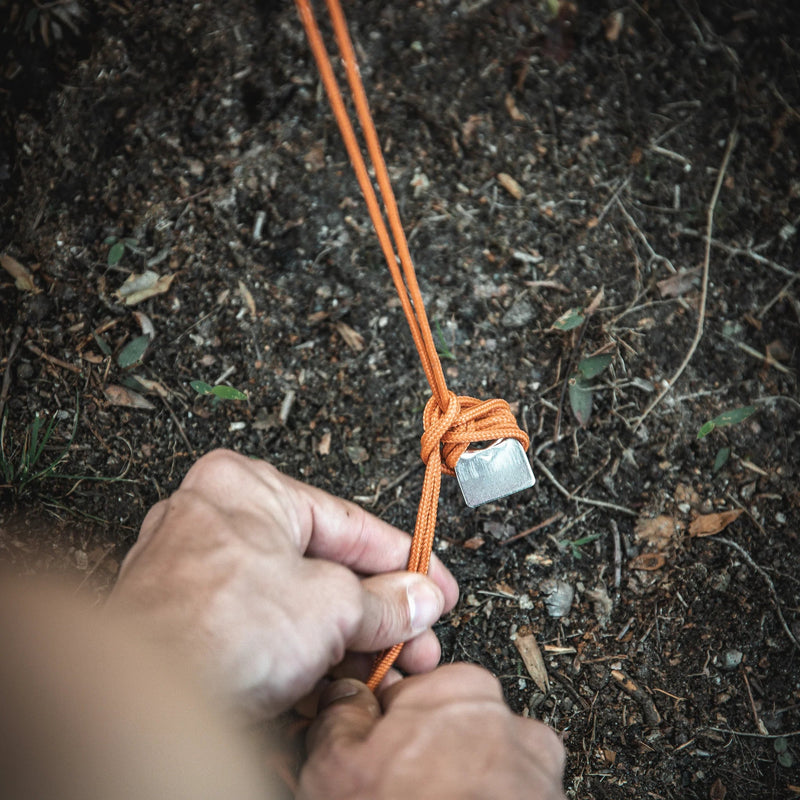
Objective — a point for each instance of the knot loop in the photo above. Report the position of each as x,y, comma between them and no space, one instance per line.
466,420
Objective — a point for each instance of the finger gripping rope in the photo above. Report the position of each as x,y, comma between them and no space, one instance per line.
450,423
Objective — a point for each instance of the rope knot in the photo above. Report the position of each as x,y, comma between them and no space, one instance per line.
465,420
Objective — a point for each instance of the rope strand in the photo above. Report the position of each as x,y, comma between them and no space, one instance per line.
450,423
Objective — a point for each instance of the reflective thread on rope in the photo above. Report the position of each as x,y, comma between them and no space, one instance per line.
450,422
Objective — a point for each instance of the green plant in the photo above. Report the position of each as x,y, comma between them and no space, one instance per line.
732,417
784,755
443,350
118,248
218,393
574,545
26,464
581,388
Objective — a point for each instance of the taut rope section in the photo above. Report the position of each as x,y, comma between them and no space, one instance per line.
450,423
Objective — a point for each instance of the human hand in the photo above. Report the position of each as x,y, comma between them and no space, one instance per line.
444,735
267,582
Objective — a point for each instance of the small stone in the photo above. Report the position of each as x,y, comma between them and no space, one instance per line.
731,659
558,596
520,313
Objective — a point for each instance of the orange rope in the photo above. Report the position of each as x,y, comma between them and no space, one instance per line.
450,422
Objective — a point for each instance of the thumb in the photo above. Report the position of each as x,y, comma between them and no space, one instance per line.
347,712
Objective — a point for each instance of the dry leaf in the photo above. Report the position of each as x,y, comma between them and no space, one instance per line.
532,658
120,396
649,562
678,284
138,288
709,524
657,530
510,185
324,446
146,324
474,543
248,299
152,386
23,278
352,338
718,790
778,351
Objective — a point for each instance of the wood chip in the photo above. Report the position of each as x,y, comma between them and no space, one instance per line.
138,288
709,524
248,299
533,660
324,446
513,111
352,338
23,278
510,185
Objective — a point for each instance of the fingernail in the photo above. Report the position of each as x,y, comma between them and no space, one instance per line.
424,605
338,690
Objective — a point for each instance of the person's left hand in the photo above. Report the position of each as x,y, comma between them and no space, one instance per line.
267,582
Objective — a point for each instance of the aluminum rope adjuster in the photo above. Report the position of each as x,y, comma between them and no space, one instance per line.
492,472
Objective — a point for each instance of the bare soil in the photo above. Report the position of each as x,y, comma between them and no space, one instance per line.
541,162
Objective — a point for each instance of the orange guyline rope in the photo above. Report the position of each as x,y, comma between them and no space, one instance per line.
450,423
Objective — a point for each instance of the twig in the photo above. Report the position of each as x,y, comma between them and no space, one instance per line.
755,735
12,350
738,251
653,255
178,425
756,718
529,531
52,359
704,293
586,500
630,687
781,293
765,357
617,555
762,572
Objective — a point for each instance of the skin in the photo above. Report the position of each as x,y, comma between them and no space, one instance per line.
254,586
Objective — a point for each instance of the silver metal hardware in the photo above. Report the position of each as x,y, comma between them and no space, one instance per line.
493,472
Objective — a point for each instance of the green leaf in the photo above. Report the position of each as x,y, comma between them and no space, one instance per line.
723,454
109,240
201,387
131,383
786,759
732,417
706,429
580,398
591,367
115,254
133,351
780,745
569,320
102,344
228,393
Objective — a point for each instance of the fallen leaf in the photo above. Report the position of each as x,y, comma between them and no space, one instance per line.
248,299
777,350
145,323
678,284
324,446
152,386
120,396
510,185
596,301
138,288
649,562
709,524
656,530
532,658
718,790
474,542
23,278
352,338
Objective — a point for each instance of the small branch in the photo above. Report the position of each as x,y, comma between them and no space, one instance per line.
52,359
704,292
12,350
586,500
529,531
762,572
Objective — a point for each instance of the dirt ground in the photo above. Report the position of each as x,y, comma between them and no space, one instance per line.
546,159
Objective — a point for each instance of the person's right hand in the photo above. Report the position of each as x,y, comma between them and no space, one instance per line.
446,735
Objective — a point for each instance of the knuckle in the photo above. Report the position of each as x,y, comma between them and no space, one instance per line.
211,466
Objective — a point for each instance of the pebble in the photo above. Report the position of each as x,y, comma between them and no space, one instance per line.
731,659
520,313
